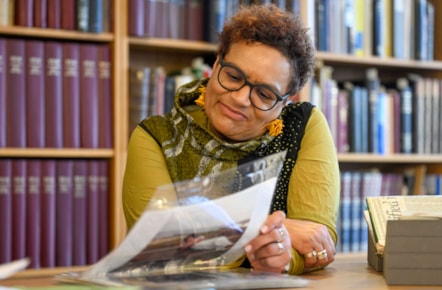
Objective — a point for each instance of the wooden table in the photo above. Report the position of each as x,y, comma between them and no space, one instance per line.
349,271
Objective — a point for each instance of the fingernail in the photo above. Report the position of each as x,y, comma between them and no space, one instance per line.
248,248
264,229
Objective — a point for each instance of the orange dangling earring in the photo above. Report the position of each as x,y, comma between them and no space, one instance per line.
275,127
200,100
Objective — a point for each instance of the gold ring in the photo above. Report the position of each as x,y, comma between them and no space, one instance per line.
281,234
322,254
280,248
311,254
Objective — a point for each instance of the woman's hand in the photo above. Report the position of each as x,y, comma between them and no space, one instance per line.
271,250
313,241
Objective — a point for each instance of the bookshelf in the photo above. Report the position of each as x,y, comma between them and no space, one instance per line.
173,54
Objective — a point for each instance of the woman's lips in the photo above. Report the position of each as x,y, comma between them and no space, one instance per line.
231,113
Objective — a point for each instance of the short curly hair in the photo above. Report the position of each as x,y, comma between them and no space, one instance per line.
270,25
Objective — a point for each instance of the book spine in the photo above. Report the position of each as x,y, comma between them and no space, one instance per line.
107,15
33,223
5,210
194,20
82,15
139,84
93,211
4,12
54,14
15,93
71,95
80,213
103,216
68,11
64,213
96,16
216,13
24,12
35,94
54,98
18,173
104,97
136,17
48,212
40,13
88,96
176,19
155,18
3,92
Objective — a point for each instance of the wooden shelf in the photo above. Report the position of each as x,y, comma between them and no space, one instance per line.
55,153
58,34
173,44
391,158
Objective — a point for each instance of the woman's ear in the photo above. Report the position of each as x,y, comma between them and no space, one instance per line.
216,62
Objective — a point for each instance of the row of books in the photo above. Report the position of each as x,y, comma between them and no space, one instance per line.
54,211
370,116
80,15
55,94
152,89
402,29
187,19
356,186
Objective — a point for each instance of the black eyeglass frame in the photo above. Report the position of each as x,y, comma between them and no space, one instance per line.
249,84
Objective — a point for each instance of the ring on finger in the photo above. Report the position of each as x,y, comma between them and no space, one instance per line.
322,254
311,254
280,248
281,234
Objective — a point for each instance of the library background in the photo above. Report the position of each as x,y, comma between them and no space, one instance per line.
76,77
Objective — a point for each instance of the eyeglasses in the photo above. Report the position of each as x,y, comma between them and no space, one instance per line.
261,96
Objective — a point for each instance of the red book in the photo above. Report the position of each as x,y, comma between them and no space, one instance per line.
194,20
18,173
68,12
48,172
108,15
15,93
88,96
177,21
5,211
103,210
104,97
41,13
80,213
54,97
136,17
33,223
2,92
64,213
93,206
35,94
24,12
54,14
156,23
71,95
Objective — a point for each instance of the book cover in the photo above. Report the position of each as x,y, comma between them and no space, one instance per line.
15,93
33,212
435,116
4,13
373,87
54,94
342,134
176,16
103,210
345,208
105,107
79,243
215,16
48,213
68,9
64,213
89,96
96,16
193,23
24,12
108,19
5,210
18,174
35,94
93,210
169,93
54,14
139,89
82,15
356,217
71,95
41,13
406,116
3,92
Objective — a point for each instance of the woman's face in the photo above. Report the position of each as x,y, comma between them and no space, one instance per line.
231,114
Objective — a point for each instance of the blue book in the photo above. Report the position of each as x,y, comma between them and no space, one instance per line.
96,16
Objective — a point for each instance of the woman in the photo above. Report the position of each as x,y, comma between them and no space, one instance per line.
243,112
